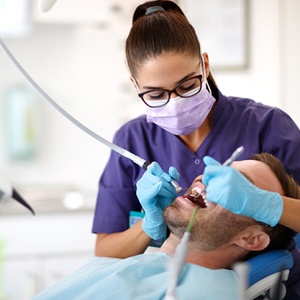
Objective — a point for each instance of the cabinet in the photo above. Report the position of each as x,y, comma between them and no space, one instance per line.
27,275
19,281
41,249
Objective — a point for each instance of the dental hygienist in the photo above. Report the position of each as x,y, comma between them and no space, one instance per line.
187,118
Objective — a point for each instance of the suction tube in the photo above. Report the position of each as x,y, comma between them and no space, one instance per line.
137,160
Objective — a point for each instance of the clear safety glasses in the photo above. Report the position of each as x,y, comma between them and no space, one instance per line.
160,97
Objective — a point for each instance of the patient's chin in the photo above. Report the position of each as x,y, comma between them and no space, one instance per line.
175,223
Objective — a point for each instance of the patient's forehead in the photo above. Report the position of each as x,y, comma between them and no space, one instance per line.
259,174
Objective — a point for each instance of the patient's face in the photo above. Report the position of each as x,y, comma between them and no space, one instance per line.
215,226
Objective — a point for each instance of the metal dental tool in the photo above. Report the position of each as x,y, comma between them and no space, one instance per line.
139,161
234,156
196,193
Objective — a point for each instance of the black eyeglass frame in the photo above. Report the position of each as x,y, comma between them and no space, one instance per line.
141,95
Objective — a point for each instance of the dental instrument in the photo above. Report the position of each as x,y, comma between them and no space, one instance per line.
195,193
234,156
6,190
138,160
178,259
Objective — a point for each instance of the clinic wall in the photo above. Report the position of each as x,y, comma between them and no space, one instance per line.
260,79
82,68
290,45
274,62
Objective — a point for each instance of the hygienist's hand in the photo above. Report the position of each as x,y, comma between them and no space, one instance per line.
229,188
155,193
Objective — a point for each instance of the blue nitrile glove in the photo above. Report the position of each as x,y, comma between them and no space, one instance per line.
229,188
155,193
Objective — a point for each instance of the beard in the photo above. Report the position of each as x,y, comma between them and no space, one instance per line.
177,226
175,221
207,233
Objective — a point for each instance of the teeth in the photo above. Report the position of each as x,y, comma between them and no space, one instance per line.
207,203
196,191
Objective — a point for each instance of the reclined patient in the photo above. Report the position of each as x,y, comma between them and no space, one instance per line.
218,239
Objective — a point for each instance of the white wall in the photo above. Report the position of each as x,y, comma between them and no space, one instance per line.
290,49
83,69
260,81
271,77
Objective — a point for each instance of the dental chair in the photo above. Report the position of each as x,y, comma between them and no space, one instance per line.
267,274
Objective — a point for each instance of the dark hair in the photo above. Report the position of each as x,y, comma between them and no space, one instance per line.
280,236
159,32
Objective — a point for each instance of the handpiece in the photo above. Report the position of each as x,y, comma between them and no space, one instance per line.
178,188
138,160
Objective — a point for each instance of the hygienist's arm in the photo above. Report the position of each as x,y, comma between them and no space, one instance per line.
230,189
155,192
291,213
132,241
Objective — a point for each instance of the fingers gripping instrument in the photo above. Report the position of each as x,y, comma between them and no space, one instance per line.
228,162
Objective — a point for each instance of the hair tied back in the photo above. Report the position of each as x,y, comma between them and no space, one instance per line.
153,9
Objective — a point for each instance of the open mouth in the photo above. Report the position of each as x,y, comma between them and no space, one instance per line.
196,197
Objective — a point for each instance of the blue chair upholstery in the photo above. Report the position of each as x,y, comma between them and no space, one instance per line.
264,271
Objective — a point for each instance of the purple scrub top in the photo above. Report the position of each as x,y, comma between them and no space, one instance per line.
236,122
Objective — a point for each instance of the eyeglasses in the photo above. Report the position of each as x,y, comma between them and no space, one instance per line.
185,89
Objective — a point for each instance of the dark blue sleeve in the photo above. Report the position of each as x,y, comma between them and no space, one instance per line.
116,193
281,137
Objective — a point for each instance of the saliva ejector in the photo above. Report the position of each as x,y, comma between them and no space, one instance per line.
178,259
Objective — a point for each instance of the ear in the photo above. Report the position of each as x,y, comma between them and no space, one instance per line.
253,239
206,63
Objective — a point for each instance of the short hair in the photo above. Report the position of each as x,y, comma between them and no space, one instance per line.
280,236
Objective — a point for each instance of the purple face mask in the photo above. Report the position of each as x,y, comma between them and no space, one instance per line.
182,116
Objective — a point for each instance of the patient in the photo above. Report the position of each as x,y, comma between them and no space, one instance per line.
218,239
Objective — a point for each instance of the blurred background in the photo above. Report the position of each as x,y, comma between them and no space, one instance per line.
76,54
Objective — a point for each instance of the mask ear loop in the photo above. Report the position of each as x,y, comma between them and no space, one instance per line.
136,85
204,74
